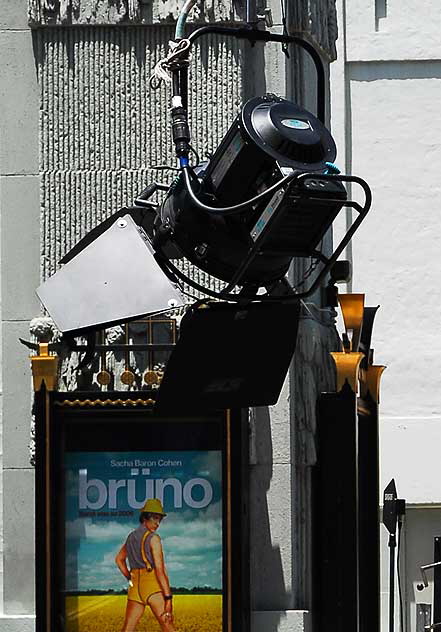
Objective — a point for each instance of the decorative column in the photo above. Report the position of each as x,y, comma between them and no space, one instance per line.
346,564
19,265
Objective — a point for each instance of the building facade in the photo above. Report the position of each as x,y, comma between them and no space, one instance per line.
385,118
80,132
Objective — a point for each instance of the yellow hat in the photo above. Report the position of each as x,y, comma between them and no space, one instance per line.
153,505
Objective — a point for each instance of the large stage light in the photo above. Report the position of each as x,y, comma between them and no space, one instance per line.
264,197
268,194
245,214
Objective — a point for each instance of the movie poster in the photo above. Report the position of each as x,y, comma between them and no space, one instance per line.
105,492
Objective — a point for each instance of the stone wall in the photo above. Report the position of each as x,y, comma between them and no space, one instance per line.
103,128
315,18
98,12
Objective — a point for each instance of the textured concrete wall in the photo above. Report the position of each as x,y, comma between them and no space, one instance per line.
52,12
282,459
316,18
102,127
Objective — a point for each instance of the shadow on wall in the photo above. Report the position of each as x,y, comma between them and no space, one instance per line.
268,590
267,582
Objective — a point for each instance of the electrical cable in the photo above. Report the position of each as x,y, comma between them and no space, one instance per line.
173,273
313,265
165,168
232,210
285,49
311,315
195,153
326,310
310,270
400,524
182,18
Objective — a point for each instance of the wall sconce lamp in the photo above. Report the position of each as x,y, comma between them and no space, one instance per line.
352,307
355,363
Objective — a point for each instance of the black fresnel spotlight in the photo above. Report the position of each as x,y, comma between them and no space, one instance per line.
245,214
268,194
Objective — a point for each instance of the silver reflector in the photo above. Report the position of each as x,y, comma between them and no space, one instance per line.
114,279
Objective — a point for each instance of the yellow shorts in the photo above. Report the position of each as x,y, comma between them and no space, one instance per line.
144,586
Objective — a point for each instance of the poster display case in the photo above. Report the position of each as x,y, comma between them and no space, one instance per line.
101,463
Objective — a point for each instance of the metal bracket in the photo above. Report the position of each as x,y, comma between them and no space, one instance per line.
423,616
423,570
254,35
260,239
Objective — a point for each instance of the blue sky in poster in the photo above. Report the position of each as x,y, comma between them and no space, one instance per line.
104,492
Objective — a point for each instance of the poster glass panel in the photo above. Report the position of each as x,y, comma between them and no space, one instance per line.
110,472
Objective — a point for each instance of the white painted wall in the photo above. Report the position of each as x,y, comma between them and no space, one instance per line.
386,91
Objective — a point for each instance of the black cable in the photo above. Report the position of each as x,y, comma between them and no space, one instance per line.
232,210
174,274
196,155
165,168
313,265
285,49
400,524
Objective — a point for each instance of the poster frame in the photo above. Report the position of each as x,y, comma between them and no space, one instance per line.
53,411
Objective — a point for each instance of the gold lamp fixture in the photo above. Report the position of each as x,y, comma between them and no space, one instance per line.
370,382
44,368
355,363
352,307
348,365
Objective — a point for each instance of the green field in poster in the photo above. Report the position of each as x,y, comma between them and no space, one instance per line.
193,613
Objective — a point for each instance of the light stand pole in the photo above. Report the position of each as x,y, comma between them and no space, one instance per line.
392,546
390,514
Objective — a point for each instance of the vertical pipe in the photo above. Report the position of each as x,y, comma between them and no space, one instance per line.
392,545
368,524
437,580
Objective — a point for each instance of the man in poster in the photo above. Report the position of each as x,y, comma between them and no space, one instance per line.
106,493
147,577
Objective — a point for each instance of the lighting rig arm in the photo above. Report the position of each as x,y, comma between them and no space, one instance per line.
254,35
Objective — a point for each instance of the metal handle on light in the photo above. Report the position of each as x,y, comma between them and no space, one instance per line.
425,568
254,35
